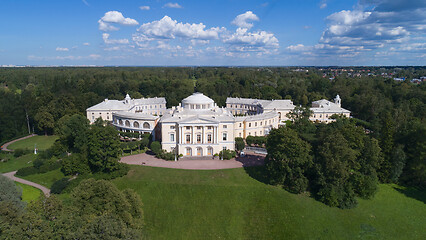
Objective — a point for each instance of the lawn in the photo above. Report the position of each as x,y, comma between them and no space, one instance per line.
43,143
229,204
29,193
45,179
13,164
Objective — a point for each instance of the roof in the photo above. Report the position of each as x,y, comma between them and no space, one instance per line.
279,104
250,101
182,114
327,106
258,117
197,98
121,105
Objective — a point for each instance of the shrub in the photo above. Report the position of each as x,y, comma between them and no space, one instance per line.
75,164
239,144
169,156
122,170
50,165
20,152
227,154
59,186
250,140
27,171
156,147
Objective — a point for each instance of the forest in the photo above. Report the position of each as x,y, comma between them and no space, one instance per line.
393,112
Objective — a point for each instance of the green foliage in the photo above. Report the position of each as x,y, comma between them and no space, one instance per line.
239,144
59,186
103,148
288,159
45,121
20,152
9,192
227,154
156,147
27,171
163,154
75,164
73,131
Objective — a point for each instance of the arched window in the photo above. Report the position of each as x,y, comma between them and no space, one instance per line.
209,151
188,151
199,151
127,123
146,125
120,122
135,124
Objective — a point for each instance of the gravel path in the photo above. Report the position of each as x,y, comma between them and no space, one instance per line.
200,164
4,147
11,175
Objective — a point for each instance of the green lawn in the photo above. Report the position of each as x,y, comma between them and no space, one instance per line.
13,164
229,204
45,179
43,143
29,193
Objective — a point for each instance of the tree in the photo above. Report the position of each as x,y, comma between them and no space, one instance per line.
75,164
45,121
239,144
103,148
288,159
9,192
72,131
156,147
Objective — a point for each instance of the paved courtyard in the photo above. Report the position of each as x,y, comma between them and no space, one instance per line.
195,163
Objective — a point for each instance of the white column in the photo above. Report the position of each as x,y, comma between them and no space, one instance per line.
181,135
217,134
203,137
192,133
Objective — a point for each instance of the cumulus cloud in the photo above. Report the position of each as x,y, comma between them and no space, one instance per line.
105,37
114,17
144,8
244,20
167,28
86,44
62,49
172,5
261,38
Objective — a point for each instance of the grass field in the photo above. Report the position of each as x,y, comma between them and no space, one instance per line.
29,193
45,179
13,163
229,204
43,143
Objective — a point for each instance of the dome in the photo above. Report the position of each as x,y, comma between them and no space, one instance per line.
198,101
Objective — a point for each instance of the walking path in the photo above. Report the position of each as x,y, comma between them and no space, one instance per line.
200,164
4,147
11,175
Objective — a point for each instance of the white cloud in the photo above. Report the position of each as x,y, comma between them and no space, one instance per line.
243,20
86,44
85,3
323,5
61,49
144,8
167,28
298,48
114,17
105,37
172,5
255,39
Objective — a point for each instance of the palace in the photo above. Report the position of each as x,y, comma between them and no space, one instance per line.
198,127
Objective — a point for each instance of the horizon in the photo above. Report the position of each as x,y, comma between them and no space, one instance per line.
223,33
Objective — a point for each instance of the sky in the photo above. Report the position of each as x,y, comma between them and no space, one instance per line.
213,33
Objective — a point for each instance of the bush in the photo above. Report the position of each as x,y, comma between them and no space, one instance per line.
169,156
156,147
27,171
239,144
227,154
59,186
122,170
50,165
20,152
75,164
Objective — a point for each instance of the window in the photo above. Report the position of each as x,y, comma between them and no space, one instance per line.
135,124
127,123
209,127
225,136
188,138
172,137
240,124
209,138
198,106
146,125
255,124
172,127
199,128
249,124
198,138
261,123
224,126
224,148
188,128
240,134
108,117
260,133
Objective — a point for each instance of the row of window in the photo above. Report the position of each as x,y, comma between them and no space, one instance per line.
198,138
138,108
135,124
260,123
198,127
199,106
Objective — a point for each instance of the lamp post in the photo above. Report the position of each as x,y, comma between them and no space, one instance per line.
221,156
175,150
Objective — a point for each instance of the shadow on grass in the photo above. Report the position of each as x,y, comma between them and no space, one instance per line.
412,192
258,173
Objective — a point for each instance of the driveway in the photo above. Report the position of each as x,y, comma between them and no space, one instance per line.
4,147
199,164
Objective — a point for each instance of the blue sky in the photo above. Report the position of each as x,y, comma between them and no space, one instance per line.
216,32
